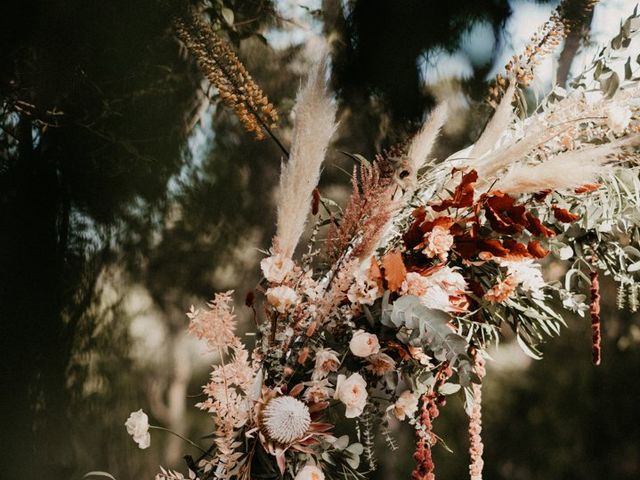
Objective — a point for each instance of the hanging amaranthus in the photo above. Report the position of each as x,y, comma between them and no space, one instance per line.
225,71
426,439
594,309
476,448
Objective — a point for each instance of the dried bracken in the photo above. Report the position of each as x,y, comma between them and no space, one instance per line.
225,71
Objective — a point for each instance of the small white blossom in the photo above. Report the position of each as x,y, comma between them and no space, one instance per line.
565,253
282,298
405,406
276,268
618,118
138,427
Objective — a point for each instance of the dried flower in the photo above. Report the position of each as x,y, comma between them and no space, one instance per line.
405,406
363,344
476,448
318,391
326,361
352,392
281,298
439,241
502,290
363,291
217,325
380,363
286,419
276,267
310,472
138,427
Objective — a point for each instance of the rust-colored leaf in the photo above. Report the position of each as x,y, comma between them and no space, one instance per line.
295,391
588,187
462,195
394,270
375,274
536,227
503,214
536,249
564,215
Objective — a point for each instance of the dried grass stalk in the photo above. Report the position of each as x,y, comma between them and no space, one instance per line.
422,144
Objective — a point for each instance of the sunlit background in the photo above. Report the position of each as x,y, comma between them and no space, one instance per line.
128,193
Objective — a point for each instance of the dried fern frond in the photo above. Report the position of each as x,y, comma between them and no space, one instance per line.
315,124
225,71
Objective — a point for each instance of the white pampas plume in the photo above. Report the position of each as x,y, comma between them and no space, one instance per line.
422,143
497,125
564,171
314,125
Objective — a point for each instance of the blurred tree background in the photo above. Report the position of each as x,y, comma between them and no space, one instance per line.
128,192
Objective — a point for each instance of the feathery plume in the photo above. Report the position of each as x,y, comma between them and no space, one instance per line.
565,170
225,71
314,125
422,144
497,125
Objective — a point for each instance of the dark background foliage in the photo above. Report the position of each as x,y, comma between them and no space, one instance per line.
114,177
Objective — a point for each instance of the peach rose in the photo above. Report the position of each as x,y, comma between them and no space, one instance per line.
352,392
310,472
363,344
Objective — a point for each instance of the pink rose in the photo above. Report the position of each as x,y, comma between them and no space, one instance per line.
352,392
363,344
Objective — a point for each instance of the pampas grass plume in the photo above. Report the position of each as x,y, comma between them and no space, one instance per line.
314,125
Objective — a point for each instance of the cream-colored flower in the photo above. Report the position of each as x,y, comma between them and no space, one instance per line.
286,419
441,290
363,290
310,472
380,363
405,406
363,344
352,392
527,273
282,298
326,361
138,427
618,118
318,391
276,268
439,242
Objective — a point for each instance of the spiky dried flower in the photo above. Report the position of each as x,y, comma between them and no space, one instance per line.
285,419
225,71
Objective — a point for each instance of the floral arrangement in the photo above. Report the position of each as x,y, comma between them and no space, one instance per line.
397,296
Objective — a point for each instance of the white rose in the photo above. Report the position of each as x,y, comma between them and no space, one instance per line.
618,118
352,392
363,344
405,406
276,267
282,298
310,472
138,427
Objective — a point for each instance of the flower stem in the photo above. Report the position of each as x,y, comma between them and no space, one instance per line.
180,436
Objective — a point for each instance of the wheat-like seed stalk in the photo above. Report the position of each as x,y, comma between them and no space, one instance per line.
225,71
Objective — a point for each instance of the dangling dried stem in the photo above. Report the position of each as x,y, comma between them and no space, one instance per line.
476,447
594,309
225,71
